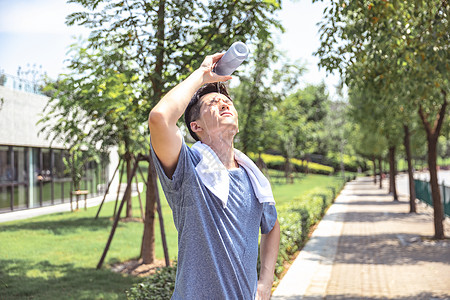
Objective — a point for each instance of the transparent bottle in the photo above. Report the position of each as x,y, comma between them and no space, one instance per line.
232,59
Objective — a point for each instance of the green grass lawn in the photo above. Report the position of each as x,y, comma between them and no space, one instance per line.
54,256
287,192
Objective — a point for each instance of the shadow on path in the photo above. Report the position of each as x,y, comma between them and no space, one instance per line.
386,249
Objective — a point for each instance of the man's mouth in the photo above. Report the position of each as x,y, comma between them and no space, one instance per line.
226,113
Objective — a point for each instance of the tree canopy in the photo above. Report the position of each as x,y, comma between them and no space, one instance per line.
395,58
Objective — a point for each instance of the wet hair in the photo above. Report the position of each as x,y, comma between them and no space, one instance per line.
192,111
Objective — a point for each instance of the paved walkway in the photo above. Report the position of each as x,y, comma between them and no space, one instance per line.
369,247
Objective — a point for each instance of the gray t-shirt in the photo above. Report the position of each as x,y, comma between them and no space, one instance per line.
217,246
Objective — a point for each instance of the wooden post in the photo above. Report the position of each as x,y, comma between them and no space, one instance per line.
142,177
160,217
163,232
380,167
118,189
116,219
107,190
139,196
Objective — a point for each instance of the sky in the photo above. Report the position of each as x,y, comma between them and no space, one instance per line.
34,32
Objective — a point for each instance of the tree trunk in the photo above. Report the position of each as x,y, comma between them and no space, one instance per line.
433,131
374,170
435,192
148,238
412,192
262,166
128,194
307,163
157,82
380,167
342,159
252,104
287,169
392,172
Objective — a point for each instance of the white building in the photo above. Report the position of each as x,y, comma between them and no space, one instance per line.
31,173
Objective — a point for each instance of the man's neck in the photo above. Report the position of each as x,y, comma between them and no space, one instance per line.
224,150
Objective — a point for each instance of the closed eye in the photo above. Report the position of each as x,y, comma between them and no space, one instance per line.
214,101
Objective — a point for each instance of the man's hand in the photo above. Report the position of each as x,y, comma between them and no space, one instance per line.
263,290
208,65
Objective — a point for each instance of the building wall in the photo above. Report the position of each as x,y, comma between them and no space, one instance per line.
32,172
18,117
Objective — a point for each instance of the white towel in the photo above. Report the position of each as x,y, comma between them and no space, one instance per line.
214,175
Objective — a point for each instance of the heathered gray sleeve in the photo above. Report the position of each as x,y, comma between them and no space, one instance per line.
183,172
269,217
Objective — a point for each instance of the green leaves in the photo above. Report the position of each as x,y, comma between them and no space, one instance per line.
136,52
276,4
390,56
96,104
157,286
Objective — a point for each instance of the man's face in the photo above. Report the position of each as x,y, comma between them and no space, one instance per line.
218,116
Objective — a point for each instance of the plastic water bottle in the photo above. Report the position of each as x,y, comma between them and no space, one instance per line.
232,59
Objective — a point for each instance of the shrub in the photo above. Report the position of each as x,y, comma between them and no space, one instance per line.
300,165
158,286
351,162
277,162
296,219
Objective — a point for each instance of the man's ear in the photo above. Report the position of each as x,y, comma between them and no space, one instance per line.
195,127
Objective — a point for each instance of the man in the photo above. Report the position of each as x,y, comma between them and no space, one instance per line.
218,196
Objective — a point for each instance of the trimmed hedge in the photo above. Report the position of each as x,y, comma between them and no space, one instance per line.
158,286
351,162
296,219
277,162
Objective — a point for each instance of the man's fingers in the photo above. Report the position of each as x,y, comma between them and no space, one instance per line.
211,60
223,78
218,55
208,66
215,57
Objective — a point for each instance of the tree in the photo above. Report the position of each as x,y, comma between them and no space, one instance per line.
254,98
260,91
314,104
374,129
406,42
297,122
163,41
76,161
92,108
292,128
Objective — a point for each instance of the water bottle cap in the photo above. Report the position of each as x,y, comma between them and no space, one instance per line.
240,49
234,56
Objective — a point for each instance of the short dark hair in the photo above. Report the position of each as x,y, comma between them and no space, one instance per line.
192,111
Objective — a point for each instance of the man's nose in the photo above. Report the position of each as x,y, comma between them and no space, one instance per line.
223,105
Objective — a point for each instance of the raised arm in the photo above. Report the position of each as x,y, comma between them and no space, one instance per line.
162,121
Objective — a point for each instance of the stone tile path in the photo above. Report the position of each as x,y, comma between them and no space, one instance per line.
369,247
